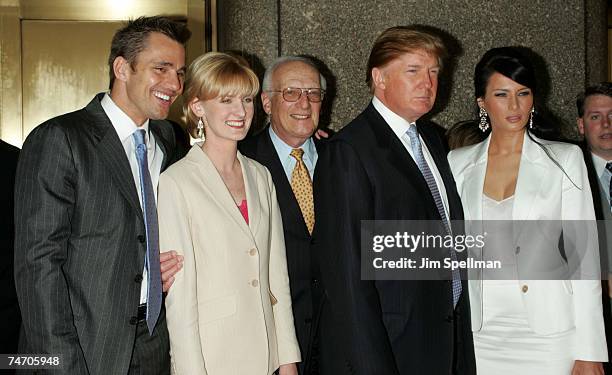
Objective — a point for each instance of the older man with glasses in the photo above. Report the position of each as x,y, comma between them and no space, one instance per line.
292,93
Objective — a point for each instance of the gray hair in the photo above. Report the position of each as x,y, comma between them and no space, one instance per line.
267,80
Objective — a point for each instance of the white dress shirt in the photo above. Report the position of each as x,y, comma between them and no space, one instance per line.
399,126
125,127
288,162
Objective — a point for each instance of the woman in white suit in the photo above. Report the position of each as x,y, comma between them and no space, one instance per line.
528,326
229,311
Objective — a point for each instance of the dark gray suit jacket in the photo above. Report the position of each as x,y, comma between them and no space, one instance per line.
80,244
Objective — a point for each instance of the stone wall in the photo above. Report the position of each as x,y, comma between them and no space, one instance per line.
567,37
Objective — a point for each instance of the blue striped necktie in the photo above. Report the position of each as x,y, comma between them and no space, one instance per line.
154,290
415,144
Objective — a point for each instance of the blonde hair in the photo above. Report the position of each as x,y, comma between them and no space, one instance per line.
216,74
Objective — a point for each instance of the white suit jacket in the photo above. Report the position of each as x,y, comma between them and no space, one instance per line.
229,309
544,192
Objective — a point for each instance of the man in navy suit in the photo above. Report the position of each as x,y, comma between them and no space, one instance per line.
388,164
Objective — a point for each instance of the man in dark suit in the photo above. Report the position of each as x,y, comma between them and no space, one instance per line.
595,124
292,92
388,165
10,318
86,254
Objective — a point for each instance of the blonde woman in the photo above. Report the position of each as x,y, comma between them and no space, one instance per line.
229,310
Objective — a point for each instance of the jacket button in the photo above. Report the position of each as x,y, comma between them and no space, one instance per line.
525,288
138,278
253,252
133,320
449,318
315,281
141,238
255,283
518,250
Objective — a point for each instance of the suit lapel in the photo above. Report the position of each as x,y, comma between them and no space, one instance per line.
397,155
212,182
251,187
161,142
474,178
531,176
112,153
267,155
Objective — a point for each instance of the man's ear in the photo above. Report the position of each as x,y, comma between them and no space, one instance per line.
580,124
120,68
378,78
266,102
196,107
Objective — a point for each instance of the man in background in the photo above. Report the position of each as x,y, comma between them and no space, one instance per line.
595,124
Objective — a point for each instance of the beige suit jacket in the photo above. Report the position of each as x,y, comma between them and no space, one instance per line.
229,309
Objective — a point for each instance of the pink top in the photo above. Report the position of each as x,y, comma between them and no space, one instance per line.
244,210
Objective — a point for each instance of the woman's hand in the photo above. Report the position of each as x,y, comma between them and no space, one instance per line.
587,368
289,369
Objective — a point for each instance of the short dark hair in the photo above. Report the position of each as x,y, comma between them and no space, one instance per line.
507,61
601,88
398,40
131,39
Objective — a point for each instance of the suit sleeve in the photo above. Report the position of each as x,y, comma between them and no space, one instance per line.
343,197
45,195
288,348
577,207
181,301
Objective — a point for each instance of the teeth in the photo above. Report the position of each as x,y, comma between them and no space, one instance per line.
300,117
234,123
161,96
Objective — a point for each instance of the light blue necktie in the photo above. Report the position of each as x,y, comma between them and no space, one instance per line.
154,290
417,150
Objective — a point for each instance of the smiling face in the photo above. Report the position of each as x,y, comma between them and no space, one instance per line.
507,102
226,118
596,125
147,89
408,84
293,122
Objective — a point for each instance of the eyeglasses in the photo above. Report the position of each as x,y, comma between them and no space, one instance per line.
293,94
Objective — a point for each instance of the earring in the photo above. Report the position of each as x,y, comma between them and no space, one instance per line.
200,130
531,117
484,124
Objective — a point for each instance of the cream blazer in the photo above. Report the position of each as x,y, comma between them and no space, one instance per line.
229,309
544,192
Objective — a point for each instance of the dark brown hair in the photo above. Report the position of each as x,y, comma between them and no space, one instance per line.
131,39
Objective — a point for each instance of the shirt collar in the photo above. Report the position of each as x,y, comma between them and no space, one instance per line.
284,150
123,124
600,165
395,122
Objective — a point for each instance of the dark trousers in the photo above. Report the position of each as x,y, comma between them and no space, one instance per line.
151,354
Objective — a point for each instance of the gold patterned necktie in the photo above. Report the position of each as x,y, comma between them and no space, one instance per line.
302,188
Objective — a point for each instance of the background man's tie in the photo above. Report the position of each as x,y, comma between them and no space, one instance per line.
415,143
302,188
154,290
609,168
